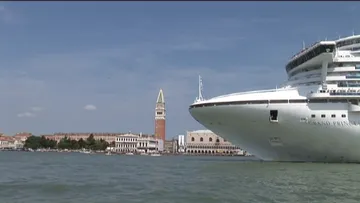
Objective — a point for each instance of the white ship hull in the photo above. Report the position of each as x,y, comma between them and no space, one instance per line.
314,116
292,138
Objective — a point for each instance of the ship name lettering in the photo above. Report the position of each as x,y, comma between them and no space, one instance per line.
333,123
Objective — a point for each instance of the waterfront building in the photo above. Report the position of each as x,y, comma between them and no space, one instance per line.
13,142
174,146
207,142
126,143
7,142
108,137
148,144
123,142
160,114
181,144
160,145
170,146
22,136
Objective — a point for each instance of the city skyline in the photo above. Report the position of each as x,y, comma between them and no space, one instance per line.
98,66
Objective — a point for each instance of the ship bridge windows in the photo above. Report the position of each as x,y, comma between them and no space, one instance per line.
304,70
322,115
325,48
348,42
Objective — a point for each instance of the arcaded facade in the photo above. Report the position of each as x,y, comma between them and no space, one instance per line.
207,142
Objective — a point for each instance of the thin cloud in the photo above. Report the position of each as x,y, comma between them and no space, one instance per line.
90,107
26,114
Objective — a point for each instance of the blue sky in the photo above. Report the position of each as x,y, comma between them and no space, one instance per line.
113,57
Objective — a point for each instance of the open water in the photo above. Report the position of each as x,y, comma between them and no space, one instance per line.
87,178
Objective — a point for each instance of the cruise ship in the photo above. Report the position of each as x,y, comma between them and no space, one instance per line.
313,117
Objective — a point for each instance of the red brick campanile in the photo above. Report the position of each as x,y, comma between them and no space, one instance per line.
160,117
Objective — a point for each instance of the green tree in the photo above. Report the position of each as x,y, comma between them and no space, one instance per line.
104,144
64,143
74,144
81,143
97,145
32,142
90,142
44,143
100,145
52,144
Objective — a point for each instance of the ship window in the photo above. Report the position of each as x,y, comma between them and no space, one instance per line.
313,116
273,115
343,115
298,101
354,101
322,115
318,101
333,116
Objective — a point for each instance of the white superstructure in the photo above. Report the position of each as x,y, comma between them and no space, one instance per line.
314,116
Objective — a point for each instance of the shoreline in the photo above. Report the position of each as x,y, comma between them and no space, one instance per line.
118,153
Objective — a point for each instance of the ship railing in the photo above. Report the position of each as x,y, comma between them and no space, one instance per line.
304,50
256,91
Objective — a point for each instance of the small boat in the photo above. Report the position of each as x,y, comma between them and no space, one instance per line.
108,154
129,153
144,154
155,154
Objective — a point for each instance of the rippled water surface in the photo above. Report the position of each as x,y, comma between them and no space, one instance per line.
72,177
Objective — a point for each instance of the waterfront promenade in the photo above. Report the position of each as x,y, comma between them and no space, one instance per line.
107,152
128,144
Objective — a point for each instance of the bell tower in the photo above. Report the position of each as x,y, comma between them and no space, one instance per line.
160,114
